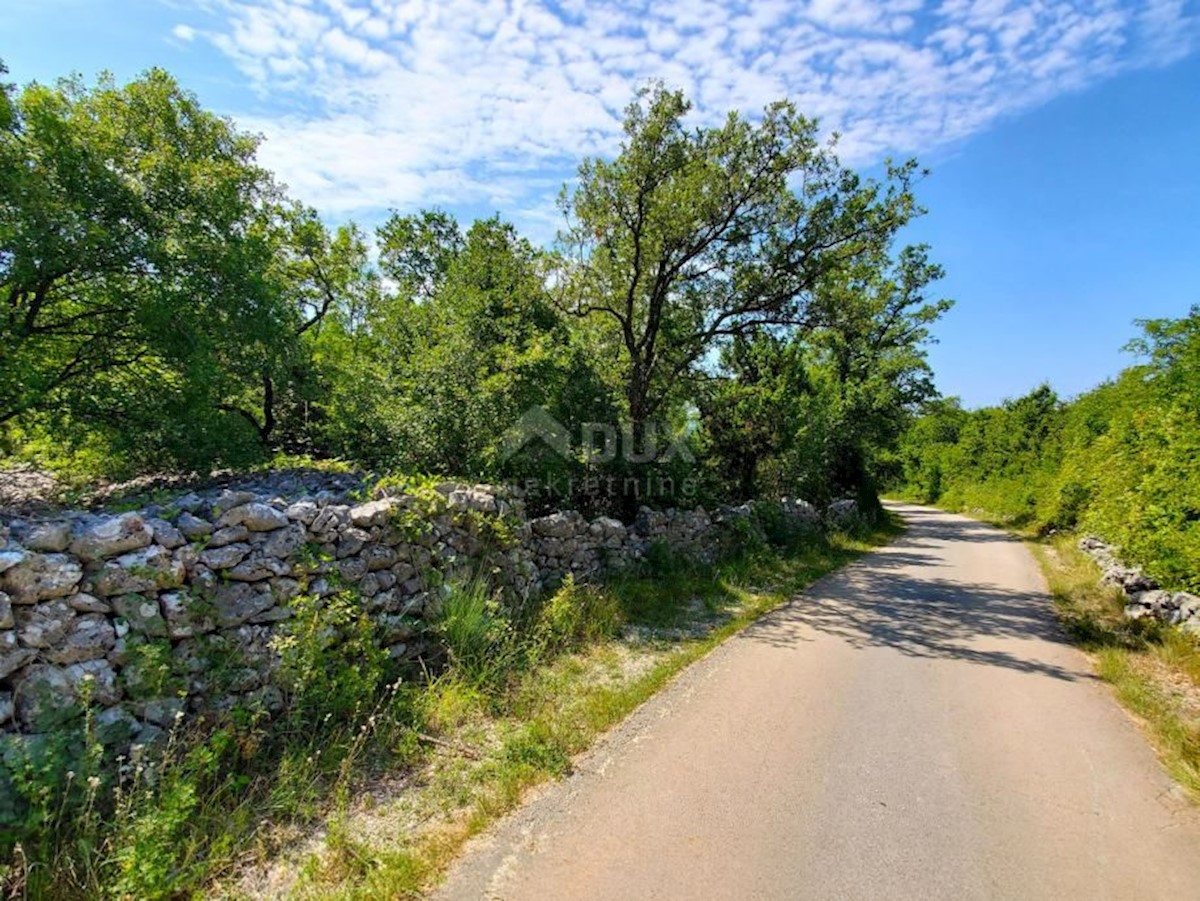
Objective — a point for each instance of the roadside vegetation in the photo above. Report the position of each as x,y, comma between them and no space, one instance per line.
1121,461
1153,668
170,309
369,781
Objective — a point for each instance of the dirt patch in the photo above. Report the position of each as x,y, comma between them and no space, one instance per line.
1179,688
25,490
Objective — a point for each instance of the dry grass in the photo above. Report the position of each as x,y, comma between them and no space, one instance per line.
1154,669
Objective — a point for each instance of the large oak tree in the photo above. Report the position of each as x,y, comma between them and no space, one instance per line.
695,235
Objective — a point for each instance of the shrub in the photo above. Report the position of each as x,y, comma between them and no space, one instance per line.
331,662
476,632
574,616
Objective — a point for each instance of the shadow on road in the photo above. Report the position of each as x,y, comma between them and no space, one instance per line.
933,525
902,598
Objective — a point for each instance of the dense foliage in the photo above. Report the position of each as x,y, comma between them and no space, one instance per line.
1122,460
724,308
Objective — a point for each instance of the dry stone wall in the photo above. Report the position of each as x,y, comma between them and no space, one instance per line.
213,576
1144,598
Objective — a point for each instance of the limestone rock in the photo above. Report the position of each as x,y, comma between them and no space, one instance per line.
329,518
88,603
352,542
12,655
88,637
257,517
228,535
186,556
374,513
258,568
40,577
181,612
112,536
151,569
189,503
379,557
218,558
271,615
193,527
11,557
142,614
42,691
302,511
473,499
51,537
1157,602
285,542
236,602
284,589
1188,606
841,513
94,679
556,525
166,534
44,624
352,568
228,500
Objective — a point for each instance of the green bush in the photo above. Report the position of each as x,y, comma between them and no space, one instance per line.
575,616
331,662
477,633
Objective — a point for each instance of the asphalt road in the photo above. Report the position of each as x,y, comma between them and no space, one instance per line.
914,726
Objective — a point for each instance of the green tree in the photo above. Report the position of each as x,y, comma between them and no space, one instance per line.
463,340
870,342
134,242
1122,460
416,251
820,411
751,414
693,236
330,288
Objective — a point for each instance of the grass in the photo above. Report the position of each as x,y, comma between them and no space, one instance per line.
489,742
1154,669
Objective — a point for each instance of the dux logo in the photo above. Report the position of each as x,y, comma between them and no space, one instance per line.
599,442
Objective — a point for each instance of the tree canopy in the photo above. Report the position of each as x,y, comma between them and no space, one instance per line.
168,306
691,236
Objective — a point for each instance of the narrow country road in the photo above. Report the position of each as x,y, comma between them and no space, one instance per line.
914,726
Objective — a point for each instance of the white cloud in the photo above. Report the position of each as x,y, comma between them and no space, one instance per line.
386,103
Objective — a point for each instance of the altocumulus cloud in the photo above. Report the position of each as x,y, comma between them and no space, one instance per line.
383,102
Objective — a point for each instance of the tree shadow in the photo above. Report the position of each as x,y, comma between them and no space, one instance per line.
899,598
935,525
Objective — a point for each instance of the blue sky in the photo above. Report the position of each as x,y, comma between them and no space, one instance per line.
1062,136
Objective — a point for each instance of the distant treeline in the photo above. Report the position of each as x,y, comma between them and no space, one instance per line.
164,305
1122,460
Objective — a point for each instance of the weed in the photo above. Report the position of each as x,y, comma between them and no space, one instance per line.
477,633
